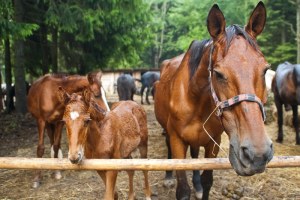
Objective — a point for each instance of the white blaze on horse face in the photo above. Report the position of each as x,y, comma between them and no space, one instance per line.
74,115
104,98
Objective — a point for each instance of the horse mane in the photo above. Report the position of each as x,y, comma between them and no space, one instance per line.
196,52
197,48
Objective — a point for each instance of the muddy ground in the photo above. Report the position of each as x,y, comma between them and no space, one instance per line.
18,138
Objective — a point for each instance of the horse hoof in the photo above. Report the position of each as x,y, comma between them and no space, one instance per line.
185,198
279,140
198,195
169,183
36,184
57,175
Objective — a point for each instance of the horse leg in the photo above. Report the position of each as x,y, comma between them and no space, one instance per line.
144,151
111,178
142,92
131,192
169,181
296,122
102,174
40,151
183,191
211,151
55,148
196,175
147,95
279,121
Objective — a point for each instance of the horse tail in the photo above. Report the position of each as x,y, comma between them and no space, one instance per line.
297,82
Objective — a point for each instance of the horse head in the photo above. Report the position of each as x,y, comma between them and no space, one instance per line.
95,86
79,111
237,66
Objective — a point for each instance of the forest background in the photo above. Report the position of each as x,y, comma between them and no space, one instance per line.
75,36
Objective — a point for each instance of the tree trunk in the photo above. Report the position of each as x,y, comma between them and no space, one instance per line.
19,69
298,31
9,102
44,48
162,32
54,49
1,93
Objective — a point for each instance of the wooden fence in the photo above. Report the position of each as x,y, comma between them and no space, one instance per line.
135,164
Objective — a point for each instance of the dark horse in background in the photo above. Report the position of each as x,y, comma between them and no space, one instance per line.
126,87
147,80
217,85
286,89
45,107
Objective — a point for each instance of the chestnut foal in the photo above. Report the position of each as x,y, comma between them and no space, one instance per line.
95,133
44,106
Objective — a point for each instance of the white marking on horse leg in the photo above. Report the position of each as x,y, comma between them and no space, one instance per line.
57,173
60,154
104,98
52,152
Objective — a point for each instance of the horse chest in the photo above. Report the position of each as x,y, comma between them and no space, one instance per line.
194,134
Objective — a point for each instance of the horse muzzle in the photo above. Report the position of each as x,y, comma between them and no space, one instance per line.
247,160
76,158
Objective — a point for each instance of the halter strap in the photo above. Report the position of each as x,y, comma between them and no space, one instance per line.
234,100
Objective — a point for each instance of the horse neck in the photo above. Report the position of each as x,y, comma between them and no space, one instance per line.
97,113
76,84
199,83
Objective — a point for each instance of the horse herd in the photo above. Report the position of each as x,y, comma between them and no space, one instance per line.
217,85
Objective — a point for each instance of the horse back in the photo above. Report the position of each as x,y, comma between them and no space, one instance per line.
284,84
42,101
129,122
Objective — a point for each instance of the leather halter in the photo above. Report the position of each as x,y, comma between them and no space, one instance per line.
234,100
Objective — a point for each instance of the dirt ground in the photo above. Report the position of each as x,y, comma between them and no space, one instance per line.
18,138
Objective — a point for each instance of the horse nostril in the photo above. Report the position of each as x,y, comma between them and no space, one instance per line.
74,161
269,154
247,153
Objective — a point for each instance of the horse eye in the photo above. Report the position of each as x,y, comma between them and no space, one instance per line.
219,75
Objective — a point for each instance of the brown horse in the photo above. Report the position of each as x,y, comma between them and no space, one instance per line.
43,104
217,85
95,133
286,89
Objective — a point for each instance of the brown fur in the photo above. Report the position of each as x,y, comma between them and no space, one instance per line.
99,134
44,105
184,102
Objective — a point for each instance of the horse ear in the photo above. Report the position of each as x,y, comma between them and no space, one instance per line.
257,20
94,75
216,22
86,96
63,96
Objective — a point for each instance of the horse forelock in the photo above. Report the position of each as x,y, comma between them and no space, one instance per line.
236,30
75,105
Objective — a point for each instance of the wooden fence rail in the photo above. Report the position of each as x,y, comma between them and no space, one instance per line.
135,164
